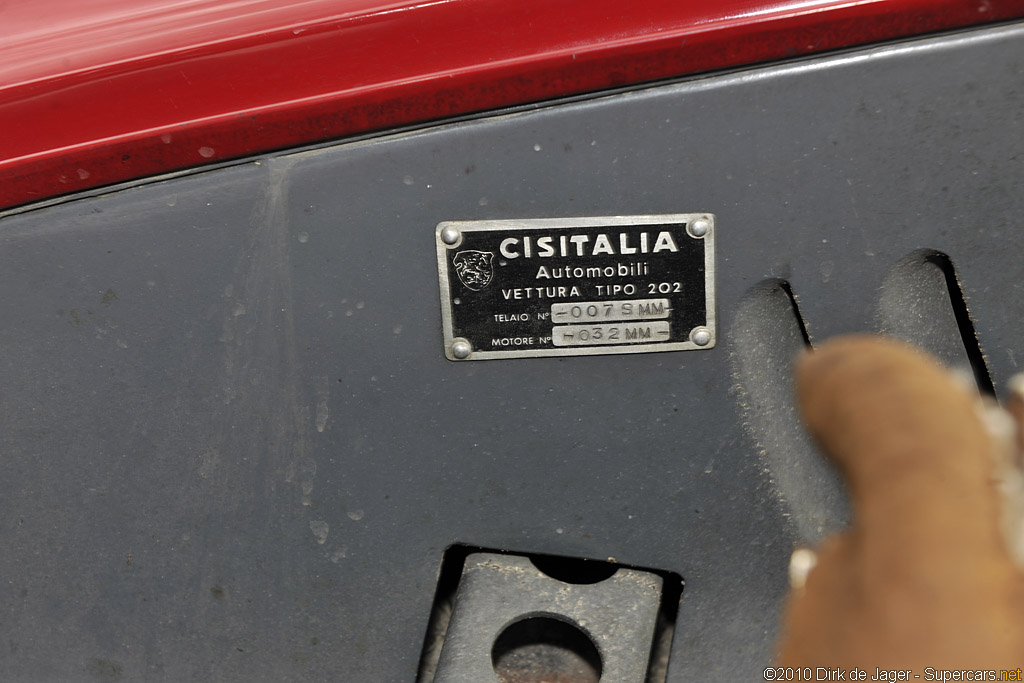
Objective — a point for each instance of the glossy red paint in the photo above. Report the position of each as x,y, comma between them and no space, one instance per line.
101,92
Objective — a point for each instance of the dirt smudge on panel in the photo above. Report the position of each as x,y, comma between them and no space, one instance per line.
103,669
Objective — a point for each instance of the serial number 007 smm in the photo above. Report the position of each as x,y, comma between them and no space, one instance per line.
577,286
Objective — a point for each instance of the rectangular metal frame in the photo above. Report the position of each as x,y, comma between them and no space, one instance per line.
454,230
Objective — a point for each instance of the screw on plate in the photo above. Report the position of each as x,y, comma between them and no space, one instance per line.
461,349
450,236
701,336
699,227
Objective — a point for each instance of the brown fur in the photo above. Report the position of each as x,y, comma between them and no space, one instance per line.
923,576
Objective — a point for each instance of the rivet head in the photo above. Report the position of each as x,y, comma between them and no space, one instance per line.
701,336
700,227
450,235
461,349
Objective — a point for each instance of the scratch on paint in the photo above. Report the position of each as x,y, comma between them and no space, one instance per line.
322,412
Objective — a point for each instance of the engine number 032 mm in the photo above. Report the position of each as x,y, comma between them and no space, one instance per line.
611,333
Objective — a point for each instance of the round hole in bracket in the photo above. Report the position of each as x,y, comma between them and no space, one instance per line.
543,648
574,569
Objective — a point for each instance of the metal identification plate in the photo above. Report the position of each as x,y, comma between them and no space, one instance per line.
577,286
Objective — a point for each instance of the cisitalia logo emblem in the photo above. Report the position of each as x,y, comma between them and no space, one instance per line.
474,268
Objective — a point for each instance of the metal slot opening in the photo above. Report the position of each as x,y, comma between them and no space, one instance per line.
512,649
574,570
768,334
922,302
538,647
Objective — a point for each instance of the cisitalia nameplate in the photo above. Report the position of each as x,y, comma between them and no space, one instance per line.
577,286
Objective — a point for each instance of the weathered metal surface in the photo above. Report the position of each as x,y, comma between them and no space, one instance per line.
618,615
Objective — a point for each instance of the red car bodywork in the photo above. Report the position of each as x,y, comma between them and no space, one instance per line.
97,93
